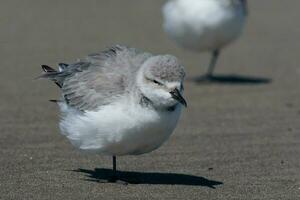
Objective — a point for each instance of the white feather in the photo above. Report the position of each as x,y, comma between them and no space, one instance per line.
122,128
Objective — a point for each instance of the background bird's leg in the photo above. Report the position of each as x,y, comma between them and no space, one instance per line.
114,176
213,62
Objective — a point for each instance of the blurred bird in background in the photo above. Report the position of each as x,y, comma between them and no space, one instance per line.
205,25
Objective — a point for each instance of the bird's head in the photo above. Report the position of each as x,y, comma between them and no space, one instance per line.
160,80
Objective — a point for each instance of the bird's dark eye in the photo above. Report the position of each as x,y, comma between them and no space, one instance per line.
156,82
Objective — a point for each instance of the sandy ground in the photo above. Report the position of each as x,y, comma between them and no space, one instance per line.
238,139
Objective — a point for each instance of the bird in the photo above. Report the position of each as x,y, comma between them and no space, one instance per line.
205,25
121,101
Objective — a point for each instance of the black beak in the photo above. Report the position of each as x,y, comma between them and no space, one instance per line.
177,96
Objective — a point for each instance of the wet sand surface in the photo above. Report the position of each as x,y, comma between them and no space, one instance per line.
239,138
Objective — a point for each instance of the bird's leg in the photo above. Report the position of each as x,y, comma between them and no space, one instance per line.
213,62
114,178
115,166
114,175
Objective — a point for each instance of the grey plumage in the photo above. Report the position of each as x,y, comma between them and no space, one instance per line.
63,66
102,77
98,78
166,68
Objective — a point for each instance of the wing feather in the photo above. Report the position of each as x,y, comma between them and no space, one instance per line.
99,79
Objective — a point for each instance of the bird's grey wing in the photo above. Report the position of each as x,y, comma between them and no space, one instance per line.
90,89
99,79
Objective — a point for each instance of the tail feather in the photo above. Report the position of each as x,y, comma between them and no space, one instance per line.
58,84
55,101
51,74
48,69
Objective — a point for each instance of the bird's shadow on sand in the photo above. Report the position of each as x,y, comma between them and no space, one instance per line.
231,79
153,178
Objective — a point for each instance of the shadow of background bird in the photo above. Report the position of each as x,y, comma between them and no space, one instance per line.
230,79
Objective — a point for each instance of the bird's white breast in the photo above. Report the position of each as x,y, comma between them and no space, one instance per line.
203,25
119,129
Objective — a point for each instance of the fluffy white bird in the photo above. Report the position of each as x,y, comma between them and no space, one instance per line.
205,25
121,101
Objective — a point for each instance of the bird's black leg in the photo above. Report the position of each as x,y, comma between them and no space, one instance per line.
114,175
213,62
